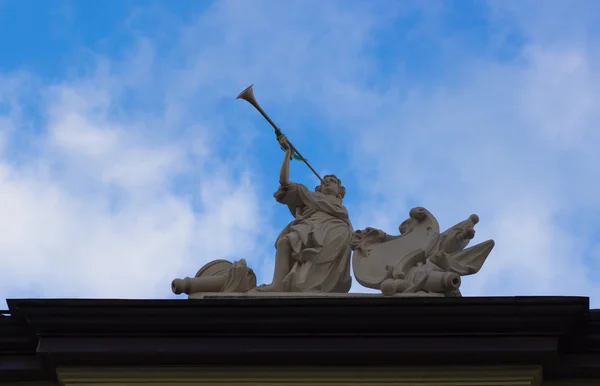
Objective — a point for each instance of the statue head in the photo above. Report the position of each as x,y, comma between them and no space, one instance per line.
331,186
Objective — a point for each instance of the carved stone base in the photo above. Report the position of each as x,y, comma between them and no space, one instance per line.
230,295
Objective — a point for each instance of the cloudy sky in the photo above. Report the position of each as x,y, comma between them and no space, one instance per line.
125,160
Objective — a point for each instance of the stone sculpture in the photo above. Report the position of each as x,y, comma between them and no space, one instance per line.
217,276
313,251
420,260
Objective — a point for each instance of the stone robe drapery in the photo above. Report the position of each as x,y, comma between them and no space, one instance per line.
320,240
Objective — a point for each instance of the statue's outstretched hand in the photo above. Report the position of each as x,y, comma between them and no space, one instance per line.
283,142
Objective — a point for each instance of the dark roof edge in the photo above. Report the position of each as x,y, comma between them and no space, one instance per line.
114,331
285,315
320,300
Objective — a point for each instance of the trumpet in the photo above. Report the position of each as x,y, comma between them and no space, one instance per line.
248,96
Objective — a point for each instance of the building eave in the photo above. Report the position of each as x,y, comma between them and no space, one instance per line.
559,333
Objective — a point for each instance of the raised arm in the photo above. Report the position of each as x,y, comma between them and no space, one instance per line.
284,173
287,193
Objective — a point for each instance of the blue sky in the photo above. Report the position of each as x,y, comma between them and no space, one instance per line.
125,160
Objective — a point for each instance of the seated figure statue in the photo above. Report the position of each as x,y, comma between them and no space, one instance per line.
313,251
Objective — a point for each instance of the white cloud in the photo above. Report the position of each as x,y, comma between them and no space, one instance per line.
512,142
559,98
93,213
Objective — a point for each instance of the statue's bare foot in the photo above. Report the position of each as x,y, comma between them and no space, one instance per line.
268,288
